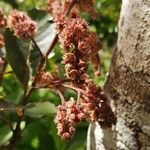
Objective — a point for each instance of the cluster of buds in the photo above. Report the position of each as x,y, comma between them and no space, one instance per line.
92,106
68,115
77,35
74,33
96,106
21,24
86,6
45,80
75,69
79,45
56,8
79,6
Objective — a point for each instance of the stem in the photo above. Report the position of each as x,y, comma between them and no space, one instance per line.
17,131
61,97
70,7
75,89
9,72
3,70
78,99
36,45
55,40
16,136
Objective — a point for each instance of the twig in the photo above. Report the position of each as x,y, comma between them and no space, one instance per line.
78,99
36,45
61,97
17,131
75,89
3,70
9,72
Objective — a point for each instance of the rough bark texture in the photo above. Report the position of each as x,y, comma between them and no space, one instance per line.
128,83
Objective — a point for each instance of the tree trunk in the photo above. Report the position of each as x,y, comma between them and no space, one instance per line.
128,83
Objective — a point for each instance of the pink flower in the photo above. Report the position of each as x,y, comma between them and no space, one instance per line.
96,106
21,24
74,30
87,6
68,115
45,80
57,10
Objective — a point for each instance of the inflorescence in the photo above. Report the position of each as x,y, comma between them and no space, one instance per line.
80,46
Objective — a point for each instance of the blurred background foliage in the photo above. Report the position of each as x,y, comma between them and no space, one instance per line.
40,132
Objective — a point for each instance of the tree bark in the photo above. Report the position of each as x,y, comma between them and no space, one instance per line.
128,83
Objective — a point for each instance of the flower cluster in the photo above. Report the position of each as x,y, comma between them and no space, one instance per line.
1,41
74,34
56,8
68,115
75,69
21,24
96,106
2,19
80,45
79,6
45,79
87,6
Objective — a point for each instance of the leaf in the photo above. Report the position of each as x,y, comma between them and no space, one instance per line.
46,34
6,134
2,93
41,109
35,58
6,106
78,141
17,52
44,37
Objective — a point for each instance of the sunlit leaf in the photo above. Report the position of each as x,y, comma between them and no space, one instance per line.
44,37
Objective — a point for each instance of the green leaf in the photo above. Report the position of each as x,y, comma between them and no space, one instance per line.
17,52
78,142
41,109
2,93
5,135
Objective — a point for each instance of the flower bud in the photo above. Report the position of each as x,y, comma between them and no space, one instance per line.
21,24
69,58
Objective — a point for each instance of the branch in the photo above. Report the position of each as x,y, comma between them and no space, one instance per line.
27,92
61,97
78,90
